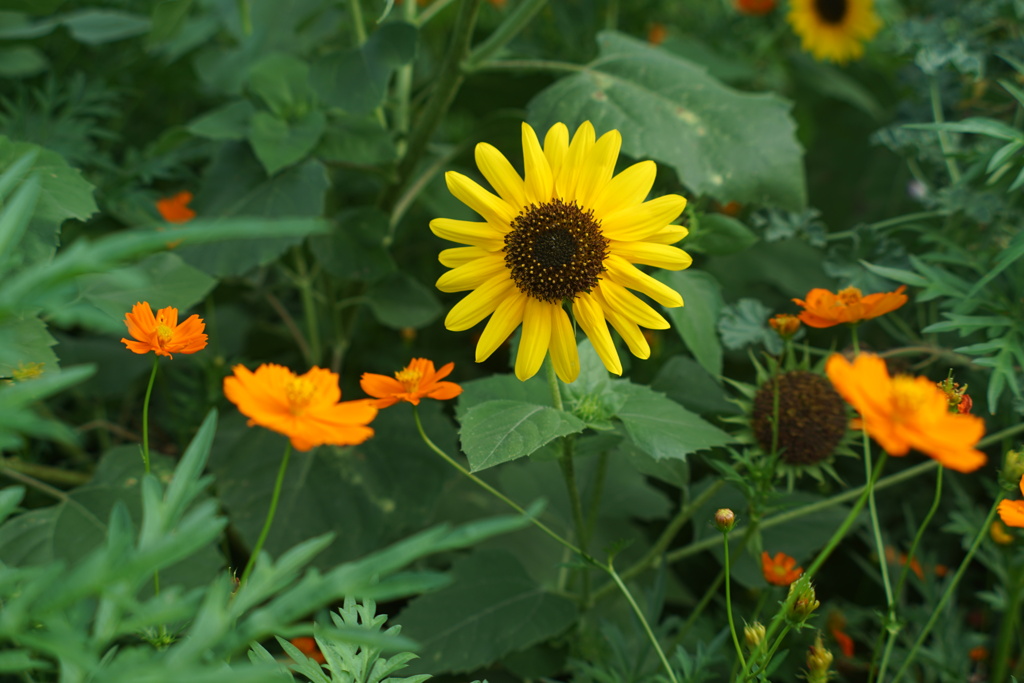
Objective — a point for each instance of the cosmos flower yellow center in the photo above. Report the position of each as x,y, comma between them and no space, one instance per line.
299,391
164,333
849,296
831,11
555,251
409,378
908,395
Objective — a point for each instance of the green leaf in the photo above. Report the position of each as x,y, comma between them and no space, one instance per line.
496,387
686,382
494,432
722,142
356,80
491,609
591,397
718,234
661,427
833,82
23,342
100,26
15,217
167,18
354,251
696,322
896,274
22,61
279,143
746,323
399,301
974,124
361,141
229,122
282,82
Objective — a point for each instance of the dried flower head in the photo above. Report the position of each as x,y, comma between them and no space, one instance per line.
812,417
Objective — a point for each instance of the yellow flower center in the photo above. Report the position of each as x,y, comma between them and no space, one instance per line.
409,378
908,395
850,296
164,333
299,391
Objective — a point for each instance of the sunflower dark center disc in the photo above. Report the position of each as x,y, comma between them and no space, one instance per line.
831,11
555,251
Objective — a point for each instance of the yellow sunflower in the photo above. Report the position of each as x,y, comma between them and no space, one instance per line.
834,30
568,233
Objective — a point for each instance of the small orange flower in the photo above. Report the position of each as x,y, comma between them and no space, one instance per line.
978,653
656,34
999,533
163,334
305,408
785,324
415,381
904,412
780,570
755,7
1012,511
825,309
175,209
308,647
892,558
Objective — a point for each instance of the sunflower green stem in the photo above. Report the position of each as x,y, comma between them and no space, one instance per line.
145,414
948,593
892,626
275,497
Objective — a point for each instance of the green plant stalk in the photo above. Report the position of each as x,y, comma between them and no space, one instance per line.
948,593
643,621
490,489
305,283
403,92
893,628
53,475
774,648
1011,619
31,481
728,604
513,24
667,536
145,414
275,497
944,141
446,85
358,24
876,532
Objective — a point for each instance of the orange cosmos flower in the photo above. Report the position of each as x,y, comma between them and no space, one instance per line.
305,408
825,309
415,381
1012,511
904,412
308,646
162,333
657,33
755,7
836,623
175,209
999,533
780,570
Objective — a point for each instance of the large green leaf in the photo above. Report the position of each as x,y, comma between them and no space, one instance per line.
23,342
99,26
697,321
494,432
398,301
279,142
661,427
722,142
491,609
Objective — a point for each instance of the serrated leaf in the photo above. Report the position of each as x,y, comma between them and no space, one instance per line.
722,142
661,427
491,609
23,342
494,432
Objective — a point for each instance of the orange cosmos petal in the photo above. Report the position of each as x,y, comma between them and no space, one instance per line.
145,328
137,346
175,209
444,391
416,381
1012,512
380,386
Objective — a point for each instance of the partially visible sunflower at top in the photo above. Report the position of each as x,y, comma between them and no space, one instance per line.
566,233
834,30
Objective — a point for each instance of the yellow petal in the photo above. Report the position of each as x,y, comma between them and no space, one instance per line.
468,232
457,256
500,174
628,275
540,184
627,189
568,176
629,306
641,221
589,315
598,168
627,329
648,254
533,344
563,346
556,146
506,318
492,208
473,274
479,303
670,234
